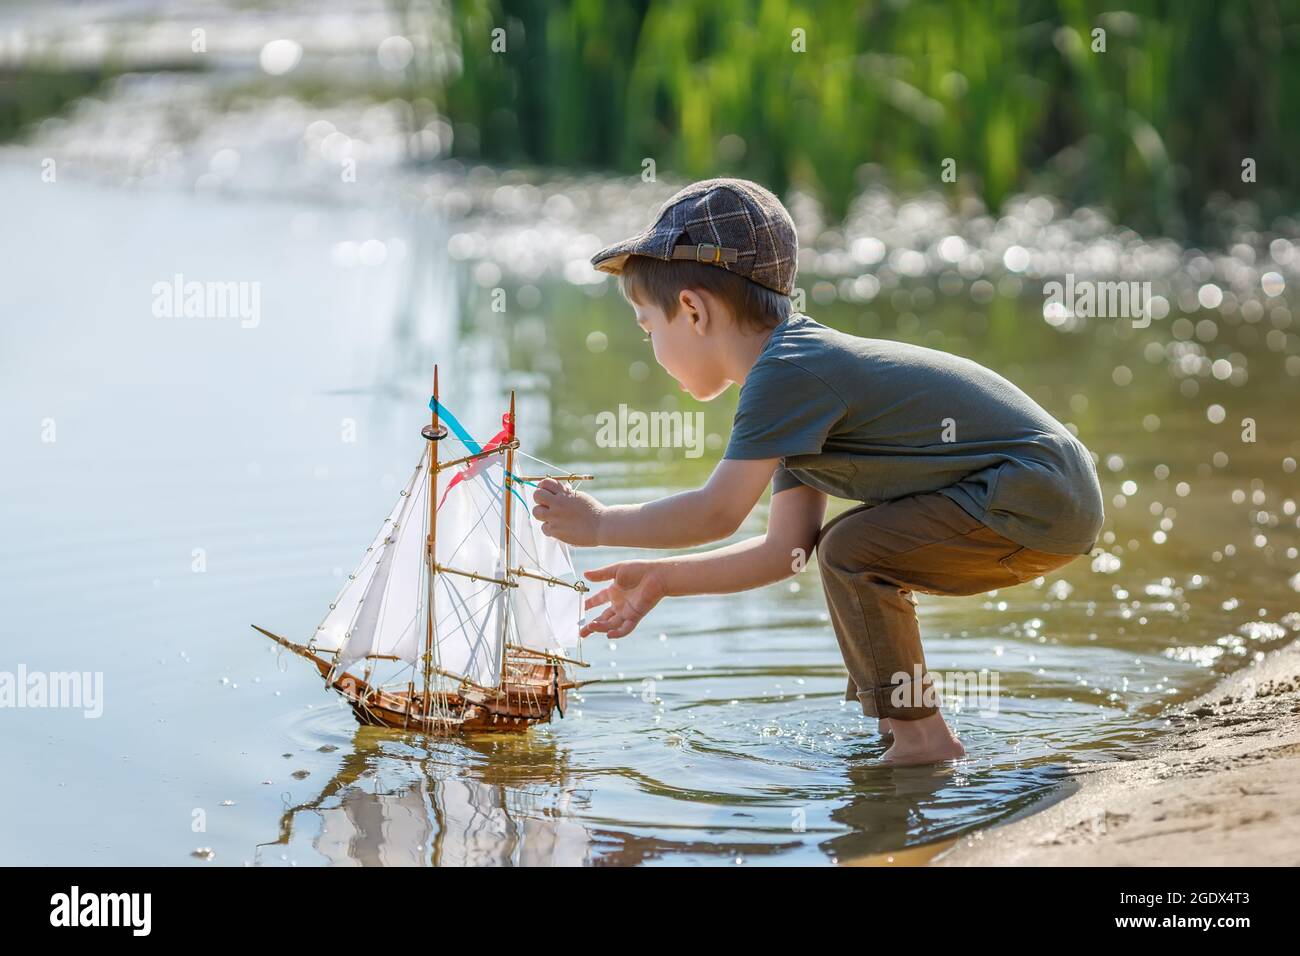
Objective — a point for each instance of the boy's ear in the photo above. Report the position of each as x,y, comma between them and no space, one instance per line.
695,309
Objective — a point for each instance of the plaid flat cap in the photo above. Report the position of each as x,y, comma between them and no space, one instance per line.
732,223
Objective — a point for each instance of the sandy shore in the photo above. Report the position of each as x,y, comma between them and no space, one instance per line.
1224,789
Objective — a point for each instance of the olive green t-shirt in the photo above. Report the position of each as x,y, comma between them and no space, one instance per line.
872,420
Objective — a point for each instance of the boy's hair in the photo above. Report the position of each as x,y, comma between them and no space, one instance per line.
658,282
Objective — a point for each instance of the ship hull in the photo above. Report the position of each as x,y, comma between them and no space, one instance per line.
532,694
534,689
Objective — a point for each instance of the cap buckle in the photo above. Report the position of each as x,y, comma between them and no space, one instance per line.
700,253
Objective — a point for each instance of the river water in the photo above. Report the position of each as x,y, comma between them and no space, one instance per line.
170,480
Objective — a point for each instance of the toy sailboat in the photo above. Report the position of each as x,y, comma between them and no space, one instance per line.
473,607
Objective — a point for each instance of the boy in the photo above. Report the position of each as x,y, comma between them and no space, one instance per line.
965,483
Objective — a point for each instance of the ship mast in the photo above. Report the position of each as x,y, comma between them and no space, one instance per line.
430,551
507,574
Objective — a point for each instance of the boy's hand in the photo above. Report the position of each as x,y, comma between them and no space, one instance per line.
638,586
571,516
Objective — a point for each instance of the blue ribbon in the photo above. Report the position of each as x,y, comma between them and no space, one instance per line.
457,429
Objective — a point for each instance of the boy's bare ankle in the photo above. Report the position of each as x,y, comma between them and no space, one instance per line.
929,732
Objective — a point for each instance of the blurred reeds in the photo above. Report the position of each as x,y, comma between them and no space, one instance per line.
1151,129
1154,129
31,94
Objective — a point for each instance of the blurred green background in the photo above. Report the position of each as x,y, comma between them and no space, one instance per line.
1151,128
1147,112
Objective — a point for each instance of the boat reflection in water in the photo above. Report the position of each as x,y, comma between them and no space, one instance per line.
384,808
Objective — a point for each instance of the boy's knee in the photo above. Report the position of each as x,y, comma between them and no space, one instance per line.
840,550
830,543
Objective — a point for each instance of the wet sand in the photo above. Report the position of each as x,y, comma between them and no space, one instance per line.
1223,790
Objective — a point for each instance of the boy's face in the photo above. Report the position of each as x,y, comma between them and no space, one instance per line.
684,347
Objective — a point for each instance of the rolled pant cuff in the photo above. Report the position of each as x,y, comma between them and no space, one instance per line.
880,701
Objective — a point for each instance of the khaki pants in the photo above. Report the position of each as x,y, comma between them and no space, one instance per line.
874,556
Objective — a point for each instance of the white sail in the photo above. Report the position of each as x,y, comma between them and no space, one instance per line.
546,616
381,613
389,621
467,613
332,633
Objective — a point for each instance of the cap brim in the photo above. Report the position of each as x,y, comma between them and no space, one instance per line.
612,258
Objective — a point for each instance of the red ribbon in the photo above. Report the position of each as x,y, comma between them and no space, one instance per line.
473,468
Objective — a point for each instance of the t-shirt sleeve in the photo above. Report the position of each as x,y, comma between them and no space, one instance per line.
783,410
783,478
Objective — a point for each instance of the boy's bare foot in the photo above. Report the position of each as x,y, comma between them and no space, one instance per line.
924,741
897,757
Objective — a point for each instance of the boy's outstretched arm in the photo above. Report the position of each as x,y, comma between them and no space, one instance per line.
677,521
794,522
